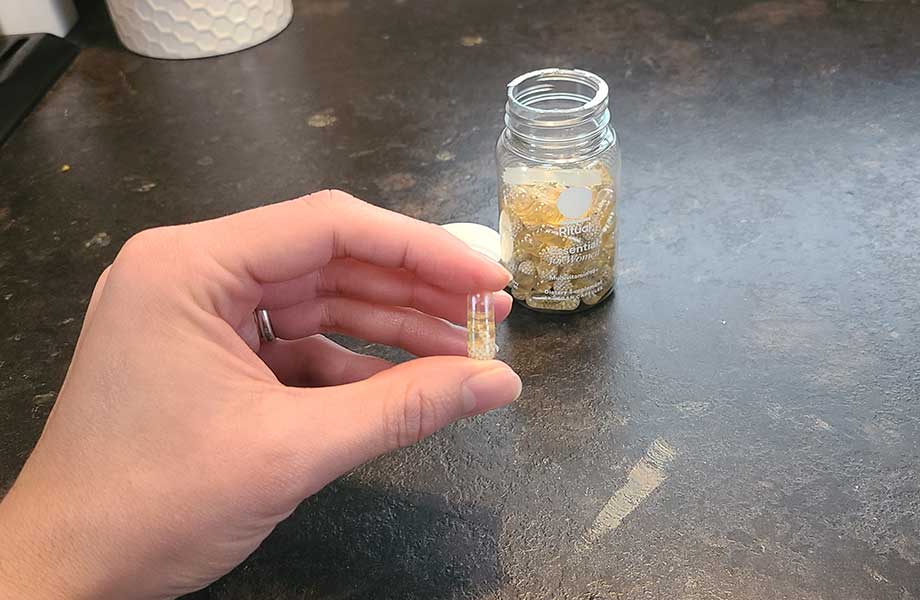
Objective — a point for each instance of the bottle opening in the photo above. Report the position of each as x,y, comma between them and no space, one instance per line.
557,108
553,92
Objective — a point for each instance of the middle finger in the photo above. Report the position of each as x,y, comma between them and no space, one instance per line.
414,331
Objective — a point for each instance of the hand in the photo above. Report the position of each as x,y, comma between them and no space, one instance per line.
178,441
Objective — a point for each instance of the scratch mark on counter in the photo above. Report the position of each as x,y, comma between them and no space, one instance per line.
100,240
822,424
322,119
644,478
139,184
397,182
42,403
875,575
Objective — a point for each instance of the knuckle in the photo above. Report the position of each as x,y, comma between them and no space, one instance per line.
411,416
326,282
403,334
415,293
100,281
331,200
341,197
149,259
328,315
145,248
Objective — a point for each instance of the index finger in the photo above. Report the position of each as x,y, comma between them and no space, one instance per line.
284,241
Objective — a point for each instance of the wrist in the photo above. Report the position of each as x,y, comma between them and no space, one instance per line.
38,557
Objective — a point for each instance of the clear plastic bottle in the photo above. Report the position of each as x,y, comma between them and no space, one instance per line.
559,175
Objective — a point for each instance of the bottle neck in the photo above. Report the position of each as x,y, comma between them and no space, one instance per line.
557,115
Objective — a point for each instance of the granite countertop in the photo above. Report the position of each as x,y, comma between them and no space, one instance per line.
740,422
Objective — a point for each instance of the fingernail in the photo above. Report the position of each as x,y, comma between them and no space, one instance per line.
505,297
507,273
504,303
490,389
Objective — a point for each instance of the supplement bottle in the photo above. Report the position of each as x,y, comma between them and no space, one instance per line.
558,178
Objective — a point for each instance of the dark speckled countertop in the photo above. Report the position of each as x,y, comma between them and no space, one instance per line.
740,422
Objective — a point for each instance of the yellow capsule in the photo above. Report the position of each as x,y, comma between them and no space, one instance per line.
553,304
480,326
521,293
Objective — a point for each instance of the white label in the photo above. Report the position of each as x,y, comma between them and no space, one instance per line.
574,202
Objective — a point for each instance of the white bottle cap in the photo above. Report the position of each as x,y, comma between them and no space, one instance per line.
480,238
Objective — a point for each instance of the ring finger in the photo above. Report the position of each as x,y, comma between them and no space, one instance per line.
416,332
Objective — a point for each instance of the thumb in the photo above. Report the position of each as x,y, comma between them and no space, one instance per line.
401,405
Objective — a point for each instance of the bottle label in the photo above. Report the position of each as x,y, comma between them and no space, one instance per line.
558,231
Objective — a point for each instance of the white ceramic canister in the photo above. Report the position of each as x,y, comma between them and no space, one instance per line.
197,28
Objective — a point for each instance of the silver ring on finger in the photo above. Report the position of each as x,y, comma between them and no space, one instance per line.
264,325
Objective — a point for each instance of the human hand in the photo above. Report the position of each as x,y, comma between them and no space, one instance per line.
178,441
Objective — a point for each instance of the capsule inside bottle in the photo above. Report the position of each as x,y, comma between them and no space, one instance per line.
480,326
